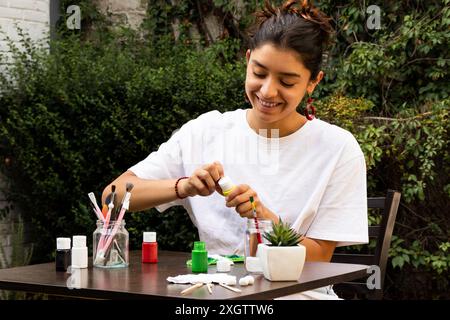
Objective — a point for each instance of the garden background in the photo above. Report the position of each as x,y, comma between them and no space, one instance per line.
77,113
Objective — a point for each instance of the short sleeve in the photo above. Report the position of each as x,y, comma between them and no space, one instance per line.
342,212
166,163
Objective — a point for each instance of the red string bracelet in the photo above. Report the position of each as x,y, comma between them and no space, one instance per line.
176,187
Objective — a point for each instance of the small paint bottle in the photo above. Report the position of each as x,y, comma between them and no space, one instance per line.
227,185
79,252
199,257
149,248
62,256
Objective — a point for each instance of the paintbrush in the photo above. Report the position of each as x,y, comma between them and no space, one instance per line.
105,206
128,188
103,236
94,205
258,233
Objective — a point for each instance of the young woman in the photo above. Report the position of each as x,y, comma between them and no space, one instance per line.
310,173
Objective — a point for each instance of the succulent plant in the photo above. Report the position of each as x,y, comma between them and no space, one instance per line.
282,235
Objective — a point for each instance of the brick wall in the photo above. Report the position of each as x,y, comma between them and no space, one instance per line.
131,12
30,15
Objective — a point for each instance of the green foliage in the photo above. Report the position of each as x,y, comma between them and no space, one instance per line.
415,255
282,235
408,152
433,266
423,147
402,60
73,120
344,111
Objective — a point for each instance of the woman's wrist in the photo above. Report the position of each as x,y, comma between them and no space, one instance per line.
269,215
180,190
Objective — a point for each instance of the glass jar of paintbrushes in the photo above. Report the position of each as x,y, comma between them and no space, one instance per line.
110,244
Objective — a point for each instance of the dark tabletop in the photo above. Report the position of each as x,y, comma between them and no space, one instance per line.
144,281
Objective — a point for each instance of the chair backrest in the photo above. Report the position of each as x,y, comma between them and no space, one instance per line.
382,233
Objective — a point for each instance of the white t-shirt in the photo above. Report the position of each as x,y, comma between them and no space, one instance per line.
314,178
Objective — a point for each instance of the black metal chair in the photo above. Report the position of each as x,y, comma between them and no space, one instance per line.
383,234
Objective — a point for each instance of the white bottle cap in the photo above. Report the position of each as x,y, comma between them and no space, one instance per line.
223,265
149,236
225,183
62,243
79,241
252,264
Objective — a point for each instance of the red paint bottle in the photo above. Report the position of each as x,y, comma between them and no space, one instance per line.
149,248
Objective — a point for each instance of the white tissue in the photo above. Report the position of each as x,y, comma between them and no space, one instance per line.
219,257
204,278
245,281
250,279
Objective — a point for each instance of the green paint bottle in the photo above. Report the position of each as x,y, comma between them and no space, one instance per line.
199,258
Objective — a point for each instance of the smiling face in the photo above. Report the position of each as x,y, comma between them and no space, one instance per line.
276,83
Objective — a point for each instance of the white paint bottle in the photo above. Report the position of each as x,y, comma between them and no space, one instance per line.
79,252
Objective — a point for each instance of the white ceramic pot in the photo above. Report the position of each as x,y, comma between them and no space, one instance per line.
281,263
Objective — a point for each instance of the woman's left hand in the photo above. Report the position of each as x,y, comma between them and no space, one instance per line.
240,199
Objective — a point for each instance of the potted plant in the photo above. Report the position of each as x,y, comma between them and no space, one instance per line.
284,257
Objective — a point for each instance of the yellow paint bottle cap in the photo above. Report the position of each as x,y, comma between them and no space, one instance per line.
226,184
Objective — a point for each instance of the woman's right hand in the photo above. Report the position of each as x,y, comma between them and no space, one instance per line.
203,181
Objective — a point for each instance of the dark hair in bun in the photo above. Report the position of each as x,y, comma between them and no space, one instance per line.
296,25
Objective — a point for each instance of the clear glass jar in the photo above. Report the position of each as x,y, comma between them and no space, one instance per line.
110,245
254,236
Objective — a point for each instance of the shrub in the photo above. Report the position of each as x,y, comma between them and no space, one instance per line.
410,153
73,120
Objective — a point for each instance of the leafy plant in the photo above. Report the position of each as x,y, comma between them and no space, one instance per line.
282,235
73,120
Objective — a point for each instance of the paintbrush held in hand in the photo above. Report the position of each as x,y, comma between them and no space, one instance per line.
118,207
258,233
